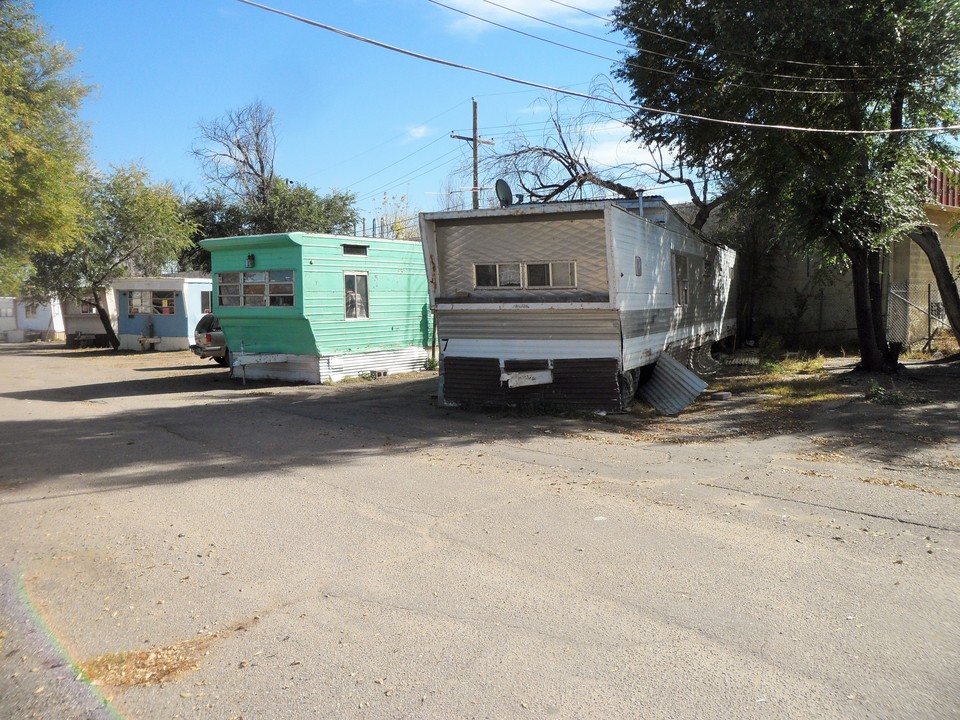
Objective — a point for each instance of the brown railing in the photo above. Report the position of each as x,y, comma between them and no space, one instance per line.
944,185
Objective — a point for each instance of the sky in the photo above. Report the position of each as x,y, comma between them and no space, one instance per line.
350,116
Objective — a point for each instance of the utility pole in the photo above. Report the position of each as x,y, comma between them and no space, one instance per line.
476,142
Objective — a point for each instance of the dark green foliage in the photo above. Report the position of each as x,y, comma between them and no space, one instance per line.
42,144
864,65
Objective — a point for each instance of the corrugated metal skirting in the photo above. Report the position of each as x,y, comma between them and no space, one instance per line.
589,384
672,386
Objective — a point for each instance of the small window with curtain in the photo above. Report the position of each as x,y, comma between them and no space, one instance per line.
141,301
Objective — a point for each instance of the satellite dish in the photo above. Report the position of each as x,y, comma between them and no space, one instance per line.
504,194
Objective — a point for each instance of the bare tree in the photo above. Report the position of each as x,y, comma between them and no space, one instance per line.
236,152
557,166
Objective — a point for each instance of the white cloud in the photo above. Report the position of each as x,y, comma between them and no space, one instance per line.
416,133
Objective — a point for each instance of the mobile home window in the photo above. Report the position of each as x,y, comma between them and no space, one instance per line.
206,300
557,275
355,295
530,275
152,302
261,288
355,250
497,275
139,302
163,301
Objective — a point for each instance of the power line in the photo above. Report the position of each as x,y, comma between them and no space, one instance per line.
595,98
654,53
704,46
430,166
383,169
391,141
721,83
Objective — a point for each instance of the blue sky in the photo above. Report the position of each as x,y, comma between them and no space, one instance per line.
351,116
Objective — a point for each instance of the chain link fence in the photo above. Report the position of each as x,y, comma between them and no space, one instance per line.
915,315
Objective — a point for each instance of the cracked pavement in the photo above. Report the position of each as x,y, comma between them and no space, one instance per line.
355,551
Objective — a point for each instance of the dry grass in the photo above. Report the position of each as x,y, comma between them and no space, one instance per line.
796,383
903,484
146,667
155,666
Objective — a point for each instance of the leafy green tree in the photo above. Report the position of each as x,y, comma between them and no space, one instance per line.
212,215
855,68
289,208
42,143
294,207
130,227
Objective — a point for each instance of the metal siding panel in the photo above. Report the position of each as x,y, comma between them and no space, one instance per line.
672,387
588,384
531,349
632,237
302,368
472,381
529,324
401,360
519,239
398,300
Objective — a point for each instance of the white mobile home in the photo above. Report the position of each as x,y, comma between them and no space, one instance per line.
566,303
84,328
37,321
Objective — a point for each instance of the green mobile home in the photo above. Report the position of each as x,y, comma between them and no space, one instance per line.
319,308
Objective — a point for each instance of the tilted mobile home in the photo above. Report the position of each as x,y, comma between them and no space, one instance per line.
564,303
319,308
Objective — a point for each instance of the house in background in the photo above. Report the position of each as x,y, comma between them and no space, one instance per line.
160,313
319,308
915,310
8,316
36,321
795,300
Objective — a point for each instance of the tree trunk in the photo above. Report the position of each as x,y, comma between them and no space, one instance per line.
105,321
871,355
928,240
874,261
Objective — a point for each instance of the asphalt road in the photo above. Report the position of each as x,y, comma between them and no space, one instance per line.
353,551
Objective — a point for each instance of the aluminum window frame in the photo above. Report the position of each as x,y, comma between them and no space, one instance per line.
524,271
351,308
257,288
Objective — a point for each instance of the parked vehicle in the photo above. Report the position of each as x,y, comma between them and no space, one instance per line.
210,341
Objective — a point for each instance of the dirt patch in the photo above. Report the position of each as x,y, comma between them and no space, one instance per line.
155,666
146,667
